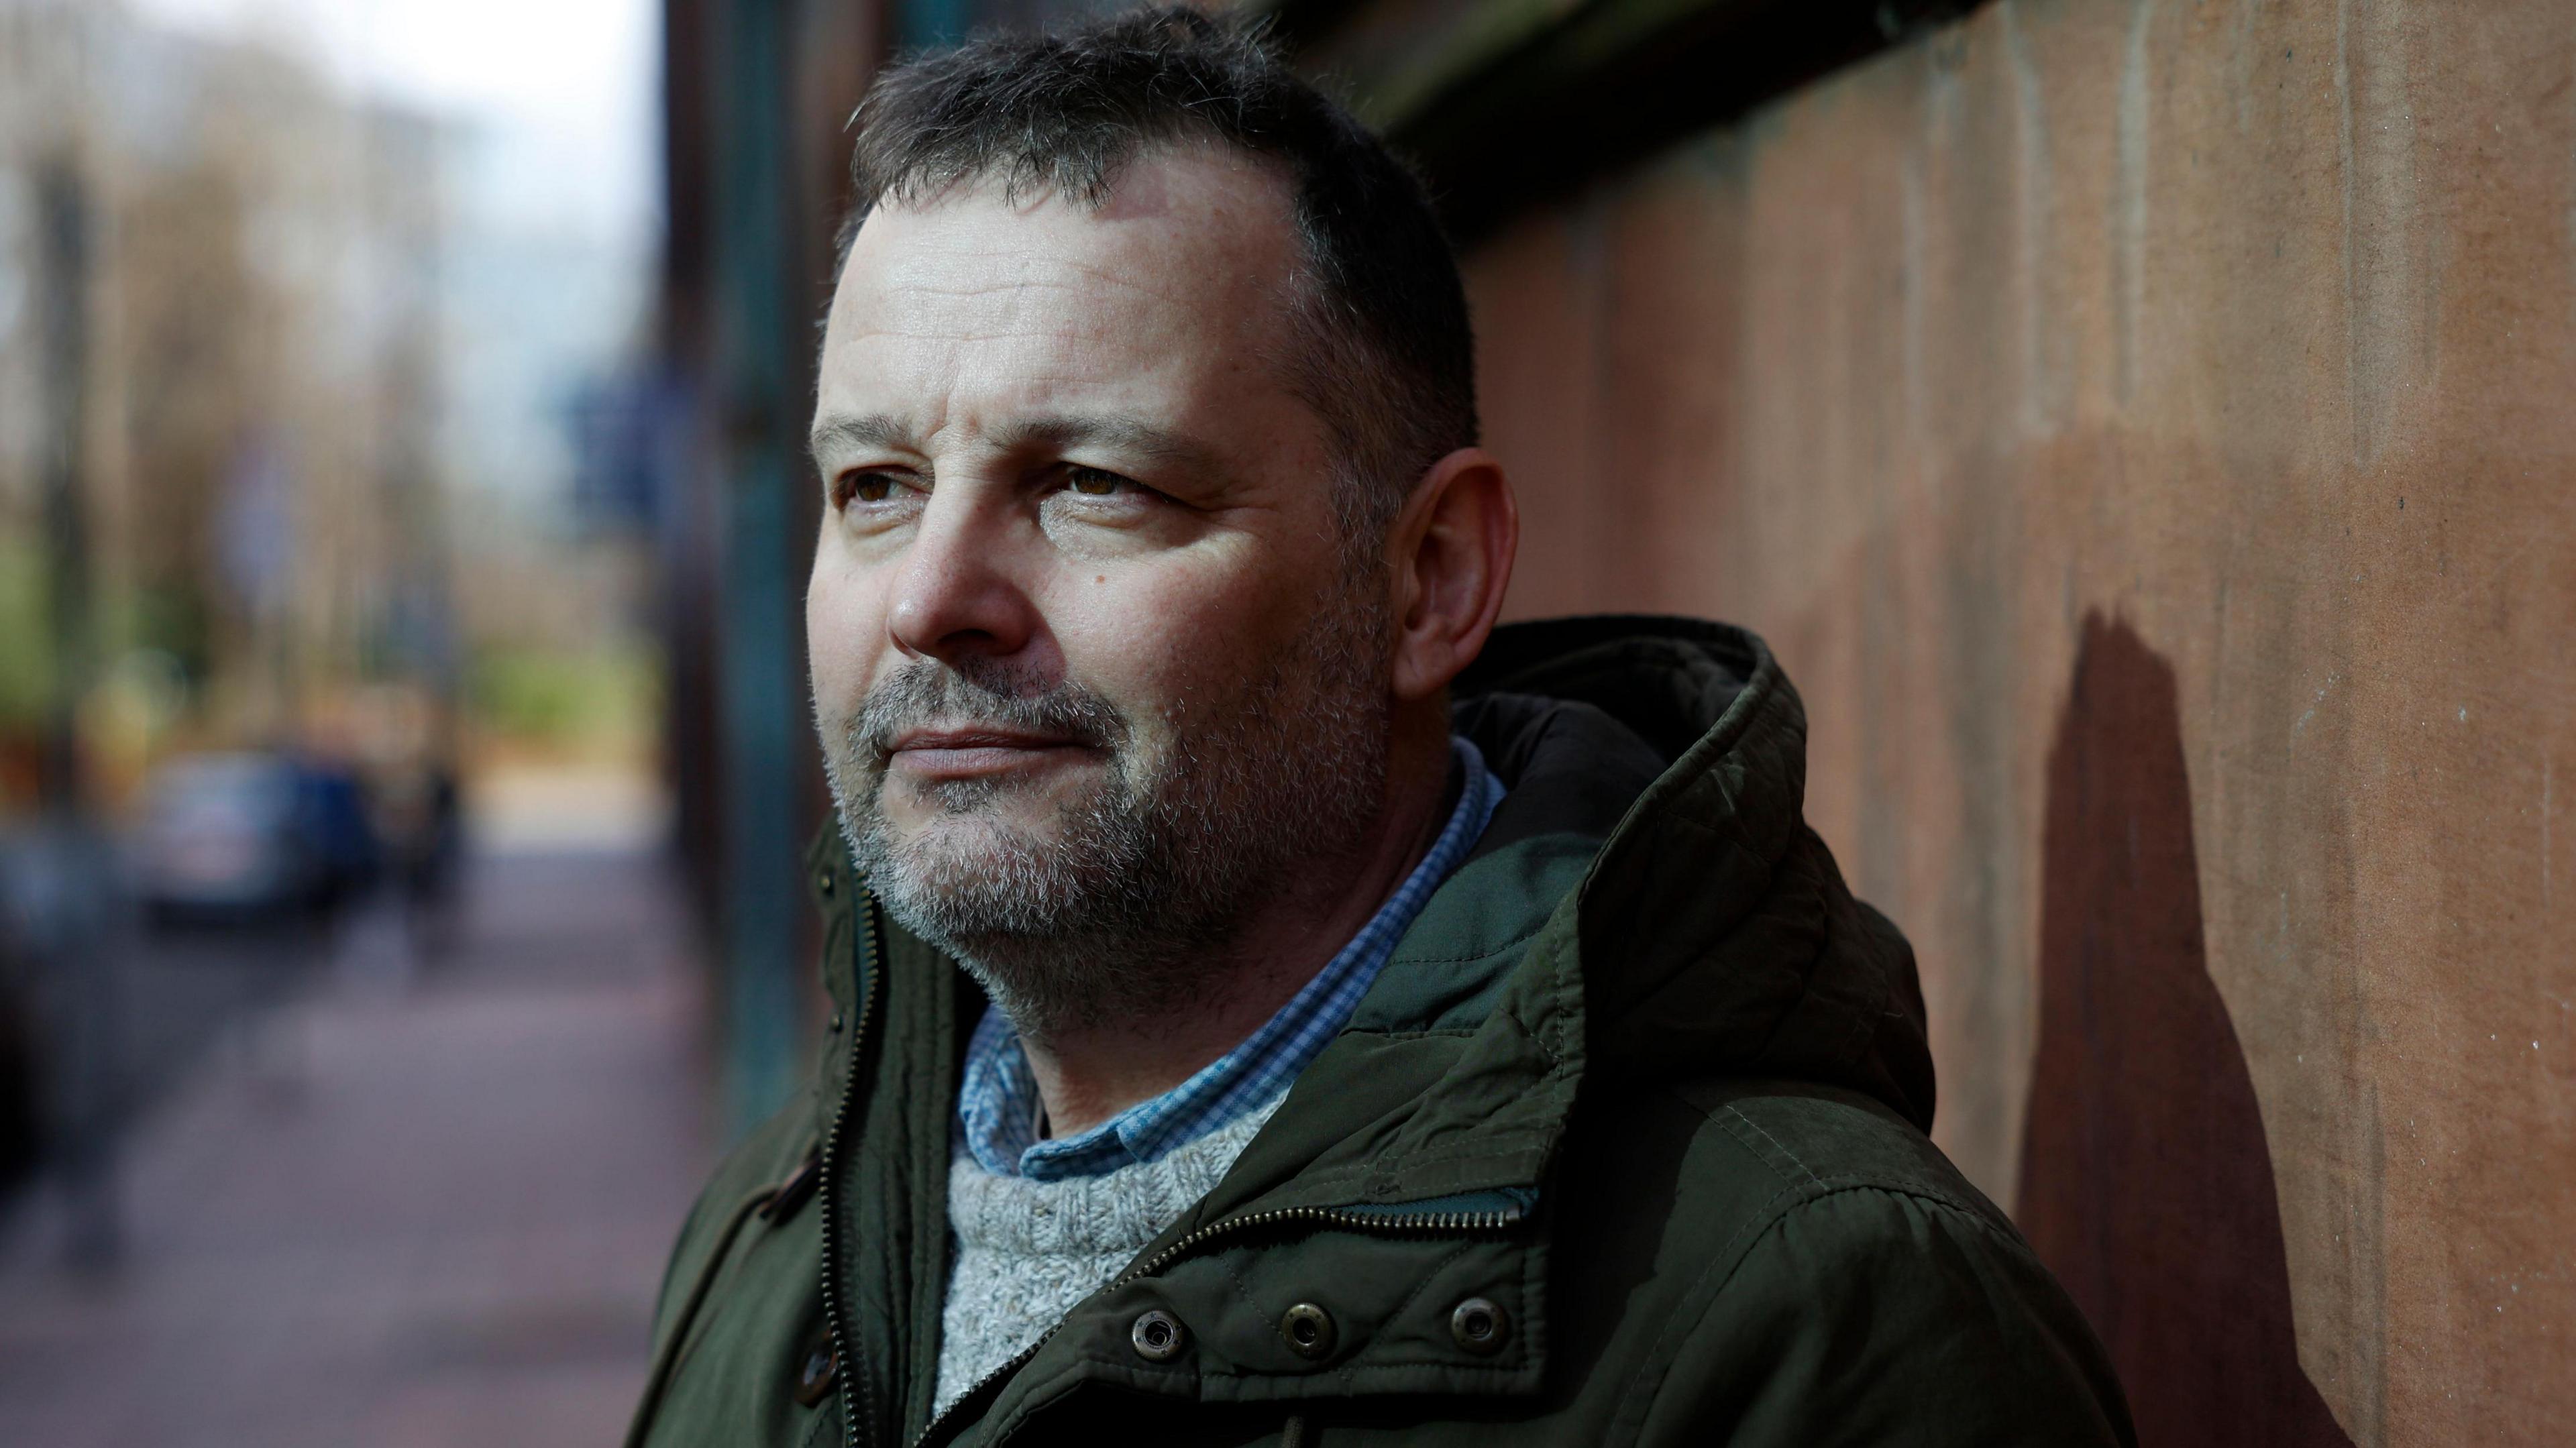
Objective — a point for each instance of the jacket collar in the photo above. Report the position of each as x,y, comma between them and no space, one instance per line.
1649,895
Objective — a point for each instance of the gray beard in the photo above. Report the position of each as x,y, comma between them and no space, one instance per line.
1117,915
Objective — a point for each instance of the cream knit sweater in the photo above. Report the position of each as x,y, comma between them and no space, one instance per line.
1027,1251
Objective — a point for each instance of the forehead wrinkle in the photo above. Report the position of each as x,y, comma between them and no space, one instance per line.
907,286
1014,326
1161,272
934,279
1060,334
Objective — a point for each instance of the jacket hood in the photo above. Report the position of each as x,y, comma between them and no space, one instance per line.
1715,934
1647,904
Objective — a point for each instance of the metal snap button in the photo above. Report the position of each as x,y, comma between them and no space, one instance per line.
1480,1326
1158,1336
824,881
816,1378
1309,1330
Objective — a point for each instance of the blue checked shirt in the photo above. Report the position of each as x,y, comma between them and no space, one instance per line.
997,1102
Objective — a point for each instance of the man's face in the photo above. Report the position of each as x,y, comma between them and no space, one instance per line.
1090,662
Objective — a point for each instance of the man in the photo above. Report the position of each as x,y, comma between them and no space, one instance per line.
1272,1004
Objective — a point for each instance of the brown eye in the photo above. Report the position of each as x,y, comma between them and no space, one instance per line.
866,487
1092,482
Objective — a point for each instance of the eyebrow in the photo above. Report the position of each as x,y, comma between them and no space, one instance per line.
1055,433
845,430
1118,432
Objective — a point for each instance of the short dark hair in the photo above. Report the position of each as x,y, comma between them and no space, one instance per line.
1384,354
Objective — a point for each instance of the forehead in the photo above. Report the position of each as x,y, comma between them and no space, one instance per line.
1170,295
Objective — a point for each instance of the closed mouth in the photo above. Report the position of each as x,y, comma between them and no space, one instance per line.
966,751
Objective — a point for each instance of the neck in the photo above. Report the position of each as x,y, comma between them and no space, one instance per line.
1088,1075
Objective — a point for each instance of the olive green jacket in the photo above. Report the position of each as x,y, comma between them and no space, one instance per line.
1626,1145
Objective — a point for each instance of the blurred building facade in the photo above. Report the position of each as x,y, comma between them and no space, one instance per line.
2141,428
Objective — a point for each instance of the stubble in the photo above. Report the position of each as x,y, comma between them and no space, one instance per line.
1118,909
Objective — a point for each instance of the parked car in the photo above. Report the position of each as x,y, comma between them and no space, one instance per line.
252,836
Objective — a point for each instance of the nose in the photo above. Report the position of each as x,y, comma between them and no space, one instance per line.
954,595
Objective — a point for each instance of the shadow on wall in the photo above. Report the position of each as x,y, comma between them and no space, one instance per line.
2146,1184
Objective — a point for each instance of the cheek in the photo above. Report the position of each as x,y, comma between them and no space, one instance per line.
1180,633
844,627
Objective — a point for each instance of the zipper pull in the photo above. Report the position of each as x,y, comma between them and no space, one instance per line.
792,1192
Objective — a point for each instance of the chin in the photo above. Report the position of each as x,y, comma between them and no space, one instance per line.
1017,805
946,837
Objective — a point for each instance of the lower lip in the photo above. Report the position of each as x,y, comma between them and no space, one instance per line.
980,760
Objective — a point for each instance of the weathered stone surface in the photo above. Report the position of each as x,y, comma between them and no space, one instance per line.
2227,348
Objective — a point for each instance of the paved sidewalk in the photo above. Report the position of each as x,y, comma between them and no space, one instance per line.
425,1204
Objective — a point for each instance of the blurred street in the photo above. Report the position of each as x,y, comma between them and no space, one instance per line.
395,1197
357,820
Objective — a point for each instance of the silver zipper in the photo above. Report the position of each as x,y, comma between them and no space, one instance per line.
834,1310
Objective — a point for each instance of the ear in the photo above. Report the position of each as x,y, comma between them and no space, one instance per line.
1451,550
